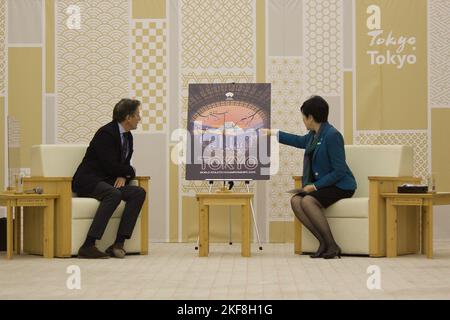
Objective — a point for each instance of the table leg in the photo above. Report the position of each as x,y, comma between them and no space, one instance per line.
17,229
427,229
9,232
48,229
203,230
245,229
391,229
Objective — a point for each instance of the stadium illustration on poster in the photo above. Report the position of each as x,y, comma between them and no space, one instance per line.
224,121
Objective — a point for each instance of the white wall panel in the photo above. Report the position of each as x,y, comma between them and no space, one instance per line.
150,159
25,21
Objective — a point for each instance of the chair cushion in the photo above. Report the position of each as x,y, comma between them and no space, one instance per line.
85,208
349,208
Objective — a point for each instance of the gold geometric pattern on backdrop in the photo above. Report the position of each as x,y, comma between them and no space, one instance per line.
192,187
149,73
285,74
2,47
280,210
93,66
416,139
439,17
323,46
218,34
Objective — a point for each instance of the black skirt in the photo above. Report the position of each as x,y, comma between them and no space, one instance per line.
330,195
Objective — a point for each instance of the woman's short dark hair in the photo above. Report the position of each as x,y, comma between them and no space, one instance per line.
317,107
124,108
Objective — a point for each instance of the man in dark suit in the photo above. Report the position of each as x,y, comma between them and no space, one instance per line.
104,174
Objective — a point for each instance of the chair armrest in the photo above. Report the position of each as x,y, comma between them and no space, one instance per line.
297,181
395,179
143,182
139,181
142,179
297,223
47,179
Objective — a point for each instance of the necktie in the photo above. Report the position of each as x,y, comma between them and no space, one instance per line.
124,146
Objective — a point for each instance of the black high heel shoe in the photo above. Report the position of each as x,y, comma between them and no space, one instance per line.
333,253
319,253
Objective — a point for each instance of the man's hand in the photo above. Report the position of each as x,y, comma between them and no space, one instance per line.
120,182
309,188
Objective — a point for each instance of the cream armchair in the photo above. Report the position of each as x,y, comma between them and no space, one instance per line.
52,169
359,223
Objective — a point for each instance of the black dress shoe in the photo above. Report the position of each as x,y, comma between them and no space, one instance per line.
116,251
91,253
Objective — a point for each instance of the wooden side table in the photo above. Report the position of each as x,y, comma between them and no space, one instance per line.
223,199
426,201
17,201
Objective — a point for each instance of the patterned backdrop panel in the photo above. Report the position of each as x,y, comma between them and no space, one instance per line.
92,66
280,209
439,17
218,34
323,46
2,47
191,187
149,73
285,74
416,139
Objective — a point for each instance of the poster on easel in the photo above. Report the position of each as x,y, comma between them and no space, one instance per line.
224,122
